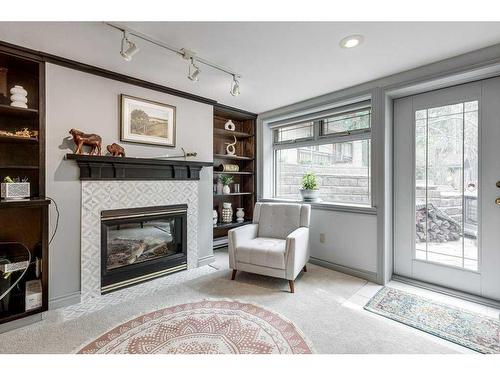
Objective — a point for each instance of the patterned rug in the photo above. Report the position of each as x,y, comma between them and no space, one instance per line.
205,327
466,328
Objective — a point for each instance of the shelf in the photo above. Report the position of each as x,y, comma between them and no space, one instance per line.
232,194
229,133
19,167
232,157
7,110
31,202
20,315
238,173
231,225
14,139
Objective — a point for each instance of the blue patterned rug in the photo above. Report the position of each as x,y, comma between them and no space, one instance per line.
474,331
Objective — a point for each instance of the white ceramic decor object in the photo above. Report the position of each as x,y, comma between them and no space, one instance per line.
229,125
19,97
230,149
226,190
240,215
227,212
215,216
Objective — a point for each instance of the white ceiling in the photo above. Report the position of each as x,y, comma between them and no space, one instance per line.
281,62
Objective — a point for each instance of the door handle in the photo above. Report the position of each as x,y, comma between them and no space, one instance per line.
498,184
497,201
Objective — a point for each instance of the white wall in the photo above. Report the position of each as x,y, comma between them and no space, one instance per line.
350,239
91,104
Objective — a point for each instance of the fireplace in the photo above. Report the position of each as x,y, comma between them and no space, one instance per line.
139,244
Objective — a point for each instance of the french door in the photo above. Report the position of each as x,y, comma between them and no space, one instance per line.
446,168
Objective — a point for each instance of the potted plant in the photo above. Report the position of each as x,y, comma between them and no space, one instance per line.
225,181
309,191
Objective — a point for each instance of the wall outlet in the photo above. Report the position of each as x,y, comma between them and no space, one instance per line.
322,237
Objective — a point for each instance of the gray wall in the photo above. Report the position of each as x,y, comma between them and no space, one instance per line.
483,63
91,104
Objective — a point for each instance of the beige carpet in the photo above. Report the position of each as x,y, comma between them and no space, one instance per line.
318,308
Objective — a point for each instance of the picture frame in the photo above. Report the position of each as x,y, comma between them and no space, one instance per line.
147,122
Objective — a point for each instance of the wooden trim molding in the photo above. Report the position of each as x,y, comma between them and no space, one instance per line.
86,68
117,168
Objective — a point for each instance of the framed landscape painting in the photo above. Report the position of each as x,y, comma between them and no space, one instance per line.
145,121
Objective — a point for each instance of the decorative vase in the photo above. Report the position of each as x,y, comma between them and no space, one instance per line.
227,212
240,215
19,97
219,187
215,216
226,189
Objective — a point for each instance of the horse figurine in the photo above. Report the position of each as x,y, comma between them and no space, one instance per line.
81,139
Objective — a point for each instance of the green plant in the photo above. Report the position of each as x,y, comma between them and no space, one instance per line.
225,179
309,182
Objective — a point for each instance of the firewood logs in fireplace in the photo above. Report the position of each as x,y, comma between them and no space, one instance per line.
440,227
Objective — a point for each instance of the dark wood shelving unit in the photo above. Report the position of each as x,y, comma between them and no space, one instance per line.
24,221
244,157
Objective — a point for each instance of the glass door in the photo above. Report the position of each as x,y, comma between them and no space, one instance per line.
445,217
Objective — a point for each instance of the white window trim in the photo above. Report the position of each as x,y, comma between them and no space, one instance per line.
319,139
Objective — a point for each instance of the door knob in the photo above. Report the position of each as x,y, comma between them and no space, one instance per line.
497,201
498,184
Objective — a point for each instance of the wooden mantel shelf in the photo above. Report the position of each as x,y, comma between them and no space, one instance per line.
118,168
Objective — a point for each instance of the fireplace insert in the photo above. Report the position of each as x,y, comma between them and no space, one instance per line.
139,244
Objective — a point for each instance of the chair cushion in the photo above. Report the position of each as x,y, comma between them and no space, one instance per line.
261,251
278,220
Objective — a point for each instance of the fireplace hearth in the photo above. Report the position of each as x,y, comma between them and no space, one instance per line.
139,244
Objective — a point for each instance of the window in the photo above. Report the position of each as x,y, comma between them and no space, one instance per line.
335,147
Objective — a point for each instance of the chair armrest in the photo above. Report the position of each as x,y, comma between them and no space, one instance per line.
297,252
236,236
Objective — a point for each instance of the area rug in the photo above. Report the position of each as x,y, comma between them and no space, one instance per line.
205,327
466,328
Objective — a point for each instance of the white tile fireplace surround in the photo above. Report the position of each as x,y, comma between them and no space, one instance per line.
109,195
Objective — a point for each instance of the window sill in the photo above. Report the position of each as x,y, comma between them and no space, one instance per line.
359,209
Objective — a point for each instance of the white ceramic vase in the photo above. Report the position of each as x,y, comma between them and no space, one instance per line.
240,215
227,213
226,190
215,216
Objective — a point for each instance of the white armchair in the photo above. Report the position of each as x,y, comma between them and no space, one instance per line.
275,244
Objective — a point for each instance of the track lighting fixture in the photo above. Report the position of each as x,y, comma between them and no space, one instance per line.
235,86
129,48
194,71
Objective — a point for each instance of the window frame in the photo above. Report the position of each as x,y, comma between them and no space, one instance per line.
319,139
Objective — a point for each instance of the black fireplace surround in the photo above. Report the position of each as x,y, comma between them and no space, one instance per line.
139,244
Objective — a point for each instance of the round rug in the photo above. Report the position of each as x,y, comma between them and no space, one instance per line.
205,327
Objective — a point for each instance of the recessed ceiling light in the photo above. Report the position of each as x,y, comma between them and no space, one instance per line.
351,41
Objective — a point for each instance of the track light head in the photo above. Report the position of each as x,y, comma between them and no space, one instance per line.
194,71
235,86
129,48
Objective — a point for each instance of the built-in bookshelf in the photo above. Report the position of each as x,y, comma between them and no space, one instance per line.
24,223
244,158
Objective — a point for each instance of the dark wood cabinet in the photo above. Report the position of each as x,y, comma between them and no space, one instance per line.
244,158
24,221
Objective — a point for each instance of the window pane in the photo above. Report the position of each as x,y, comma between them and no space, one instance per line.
446,180
346,122
342,170
291,132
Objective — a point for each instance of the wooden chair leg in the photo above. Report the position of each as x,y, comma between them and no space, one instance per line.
305,268
292,286
234,274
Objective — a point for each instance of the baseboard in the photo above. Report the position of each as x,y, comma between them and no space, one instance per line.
367,275
15,324
206,260
66,300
